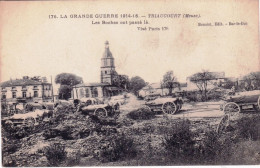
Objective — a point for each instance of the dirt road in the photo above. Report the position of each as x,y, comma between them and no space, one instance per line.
189,110
201,110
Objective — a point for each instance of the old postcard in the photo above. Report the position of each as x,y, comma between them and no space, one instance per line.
129,83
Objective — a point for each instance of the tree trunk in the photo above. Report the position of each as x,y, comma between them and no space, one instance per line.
170,91
205,95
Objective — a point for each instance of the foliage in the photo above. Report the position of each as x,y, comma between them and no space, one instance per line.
18,132
250,81
9,162
193,96
184,146
10,146
66,81
141,114
121,81
170,81
136,83
216,94
74,160
22,132
228,84
214,149
50,133
119,147
202,80
245,153
55,154
248,128
179,141
65,92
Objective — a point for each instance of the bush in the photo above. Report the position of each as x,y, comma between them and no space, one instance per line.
10,147
193,96
66,132
55,154
74,160
215,149
50,133
20,132
211,146
9,162
141,114
248,128
179,142
246,153
117,147
215,96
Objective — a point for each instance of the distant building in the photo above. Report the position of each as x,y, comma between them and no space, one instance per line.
26,90
106,87
156,88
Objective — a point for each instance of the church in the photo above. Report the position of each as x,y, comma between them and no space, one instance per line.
105,88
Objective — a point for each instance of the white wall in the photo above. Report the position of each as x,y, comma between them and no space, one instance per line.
78,94
29,91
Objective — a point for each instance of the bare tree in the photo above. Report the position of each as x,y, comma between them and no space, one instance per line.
202,80
170,81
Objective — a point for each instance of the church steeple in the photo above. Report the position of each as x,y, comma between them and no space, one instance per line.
107,53
107,65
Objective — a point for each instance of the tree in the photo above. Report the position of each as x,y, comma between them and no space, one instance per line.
136,83
67,81
202,80
65,92
255,76
121,81
228,84
170,81
251,81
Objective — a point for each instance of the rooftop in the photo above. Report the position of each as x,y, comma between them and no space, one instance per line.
107,53
21,82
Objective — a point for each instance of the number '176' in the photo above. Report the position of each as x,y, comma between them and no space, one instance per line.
52,17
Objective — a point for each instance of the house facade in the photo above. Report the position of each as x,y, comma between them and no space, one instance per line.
25,90
105,88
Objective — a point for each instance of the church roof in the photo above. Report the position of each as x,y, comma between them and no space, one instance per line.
107,53
91,84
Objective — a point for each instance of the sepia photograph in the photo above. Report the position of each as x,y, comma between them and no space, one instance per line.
129,83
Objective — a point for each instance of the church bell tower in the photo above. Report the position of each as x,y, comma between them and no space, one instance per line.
107,65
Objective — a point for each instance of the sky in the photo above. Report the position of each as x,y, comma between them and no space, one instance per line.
32,44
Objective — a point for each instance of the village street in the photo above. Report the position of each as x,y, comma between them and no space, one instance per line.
189,110
202,113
